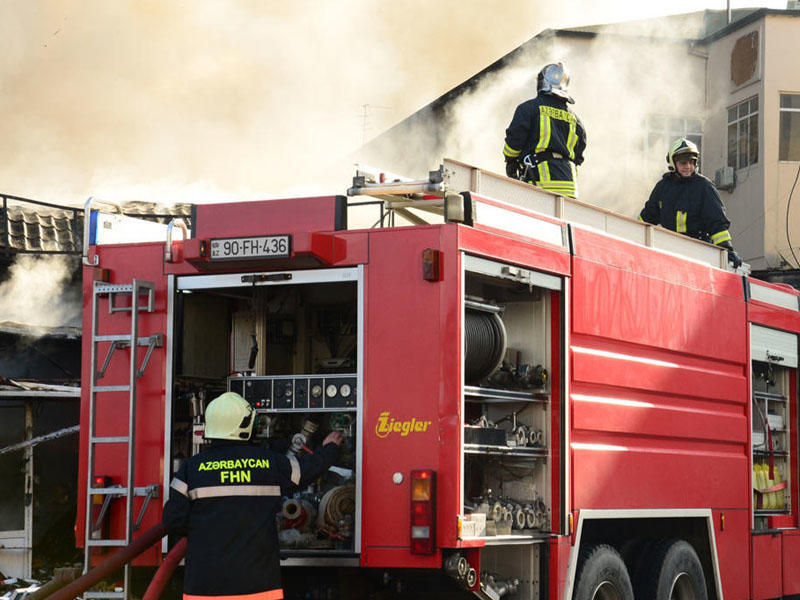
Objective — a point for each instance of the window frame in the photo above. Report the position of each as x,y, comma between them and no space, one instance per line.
659,136
743,121
781,112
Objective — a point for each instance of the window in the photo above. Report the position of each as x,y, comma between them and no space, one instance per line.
662,131
743,134
789,144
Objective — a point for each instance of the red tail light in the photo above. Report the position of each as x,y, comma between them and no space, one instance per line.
100,481
423,511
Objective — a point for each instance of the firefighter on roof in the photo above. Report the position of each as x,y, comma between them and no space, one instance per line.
545,140
225,500
687,202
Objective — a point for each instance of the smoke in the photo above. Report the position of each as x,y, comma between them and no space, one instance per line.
620,80
243,99
37,292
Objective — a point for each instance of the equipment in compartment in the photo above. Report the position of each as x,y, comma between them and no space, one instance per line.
291,350
294,392
322,516
485,341
507,349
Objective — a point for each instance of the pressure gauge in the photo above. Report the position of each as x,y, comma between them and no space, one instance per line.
331,390
316,390
345,390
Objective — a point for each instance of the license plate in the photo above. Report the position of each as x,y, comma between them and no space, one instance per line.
267,246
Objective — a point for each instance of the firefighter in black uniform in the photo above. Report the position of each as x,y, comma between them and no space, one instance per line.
545,140
687,202
225,500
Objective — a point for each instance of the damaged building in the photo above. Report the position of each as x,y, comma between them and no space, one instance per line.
40,367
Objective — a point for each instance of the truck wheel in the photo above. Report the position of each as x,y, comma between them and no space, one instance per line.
602,575
673,572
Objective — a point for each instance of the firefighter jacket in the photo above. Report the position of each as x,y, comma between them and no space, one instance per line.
225,501
553,137
688,205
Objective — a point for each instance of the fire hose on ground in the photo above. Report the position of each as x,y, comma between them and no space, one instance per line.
165,571
127,554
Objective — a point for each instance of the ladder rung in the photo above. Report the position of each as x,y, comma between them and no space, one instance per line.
109,491
106,542
115,288
109,439
122,337
112,388
121,491
104,594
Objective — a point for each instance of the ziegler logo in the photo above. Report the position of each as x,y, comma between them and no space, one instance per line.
387,425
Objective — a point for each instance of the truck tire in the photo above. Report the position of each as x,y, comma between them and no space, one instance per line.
672,571
602,575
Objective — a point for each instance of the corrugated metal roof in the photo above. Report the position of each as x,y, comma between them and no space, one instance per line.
36,331
33,226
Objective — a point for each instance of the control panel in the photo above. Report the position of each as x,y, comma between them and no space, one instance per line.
296,392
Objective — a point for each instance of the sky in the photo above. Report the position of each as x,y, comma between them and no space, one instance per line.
243,99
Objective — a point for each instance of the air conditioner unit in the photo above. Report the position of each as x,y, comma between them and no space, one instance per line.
725,178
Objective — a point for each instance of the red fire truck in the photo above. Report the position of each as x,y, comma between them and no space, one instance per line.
540,398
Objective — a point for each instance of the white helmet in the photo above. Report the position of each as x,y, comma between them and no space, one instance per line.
554,79
229,417
681,148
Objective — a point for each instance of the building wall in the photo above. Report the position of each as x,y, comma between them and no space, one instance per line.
781,75
744,203
757,204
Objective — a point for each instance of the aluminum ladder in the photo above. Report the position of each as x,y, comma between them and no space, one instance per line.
141,295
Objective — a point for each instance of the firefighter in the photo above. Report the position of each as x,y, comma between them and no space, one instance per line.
687,202
545,140
225,501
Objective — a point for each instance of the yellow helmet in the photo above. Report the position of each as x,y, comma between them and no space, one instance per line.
229,417
681,147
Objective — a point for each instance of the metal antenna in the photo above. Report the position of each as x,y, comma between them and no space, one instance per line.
365,119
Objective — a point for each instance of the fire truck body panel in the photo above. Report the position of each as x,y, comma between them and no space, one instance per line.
408,421
111,413
634,371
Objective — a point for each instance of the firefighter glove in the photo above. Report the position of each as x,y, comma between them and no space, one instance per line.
734,258
512,167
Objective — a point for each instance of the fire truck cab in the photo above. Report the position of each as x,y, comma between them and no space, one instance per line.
540,398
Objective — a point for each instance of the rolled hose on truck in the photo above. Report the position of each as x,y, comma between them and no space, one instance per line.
127,554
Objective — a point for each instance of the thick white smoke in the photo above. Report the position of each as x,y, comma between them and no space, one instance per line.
240,99
36,292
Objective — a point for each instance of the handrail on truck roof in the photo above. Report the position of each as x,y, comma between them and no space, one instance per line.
454,177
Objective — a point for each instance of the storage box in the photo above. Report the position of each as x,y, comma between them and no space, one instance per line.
477,522
485,436
775,421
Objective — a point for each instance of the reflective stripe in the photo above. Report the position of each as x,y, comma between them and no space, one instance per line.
639,218
295,476
179,486
544,171
268,595
572,139
564,188
544,130
510,152
680,221
222,491
721,236
574,170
